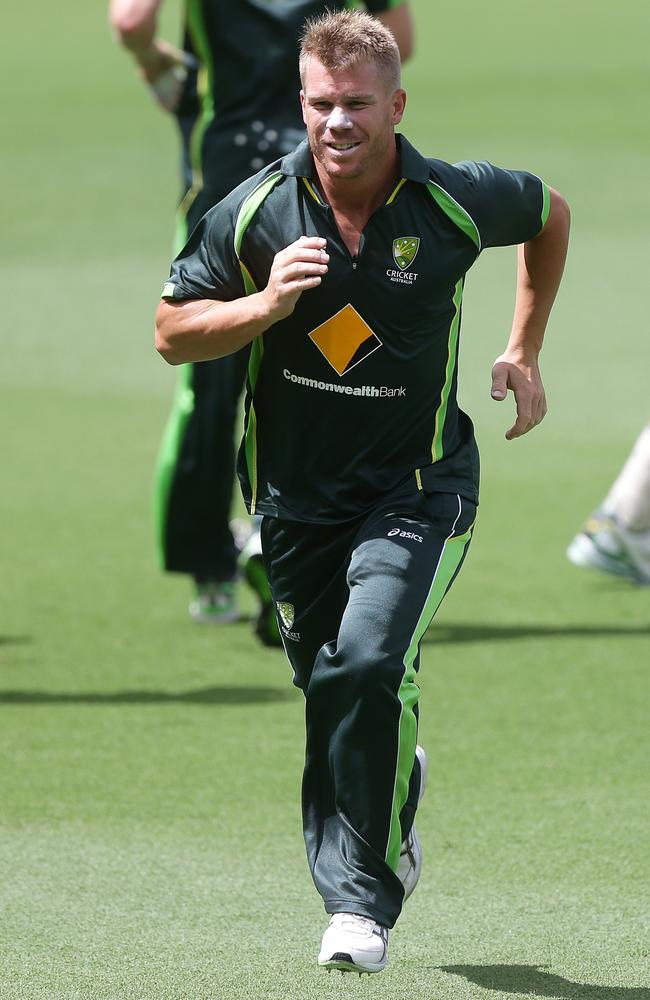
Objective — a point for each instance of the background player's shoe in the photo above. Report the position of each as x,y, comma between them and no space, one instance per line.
353,943
410,857
215,603
252,563
605,545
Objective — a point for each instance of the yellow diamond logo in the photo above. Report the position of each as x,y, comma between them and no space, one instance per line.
345,339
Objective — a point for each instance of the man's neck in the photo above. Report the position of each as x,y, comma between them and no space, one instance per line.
359,197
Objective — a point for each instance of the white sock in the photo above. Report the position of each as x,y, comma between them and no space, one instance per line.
629,497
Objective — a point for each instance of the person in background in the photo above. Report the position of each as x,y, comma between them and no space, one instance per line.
232,88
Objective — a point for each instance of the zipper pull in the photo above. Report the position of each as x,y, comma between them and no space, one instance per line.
354,263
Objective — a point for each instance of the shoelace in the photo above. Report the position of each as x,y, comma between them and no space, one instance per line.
355,922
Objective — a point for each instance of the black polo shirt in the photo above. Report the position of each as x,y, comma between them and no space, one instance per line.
354,395
241,111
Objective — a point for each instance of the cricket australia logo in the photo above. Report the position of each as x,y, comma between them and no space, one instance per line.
287,614
405,249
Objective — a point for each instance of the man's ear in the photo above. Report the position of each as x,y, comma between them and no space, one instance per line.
399,103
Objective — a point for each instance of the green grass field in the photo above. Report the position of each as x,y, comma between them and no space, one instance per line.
150,842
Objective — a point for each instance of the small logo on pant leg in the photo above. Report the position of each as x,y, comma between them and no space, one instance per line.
287,614
404,534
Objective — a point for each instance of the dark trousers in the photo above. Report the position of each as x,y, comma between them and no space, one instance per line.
196,470
354,601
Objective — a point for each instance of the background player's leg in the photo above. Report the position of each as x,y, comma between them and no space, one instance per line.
629,497
196,464
616,538
196,471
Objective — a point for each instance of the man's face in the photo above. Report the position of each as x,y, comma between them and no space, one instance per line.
350,116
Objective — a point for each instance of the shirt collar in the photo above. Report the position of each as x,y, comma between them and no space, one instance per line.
413,166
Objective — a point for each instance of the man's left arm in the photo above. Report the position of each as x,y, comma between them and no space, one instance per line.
540,265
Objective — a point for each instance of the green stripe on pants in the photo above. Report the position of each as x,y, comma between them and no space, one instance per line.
448,565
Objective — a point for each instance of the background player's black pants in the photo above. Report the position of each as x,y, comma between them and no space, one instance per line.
355,601
196,470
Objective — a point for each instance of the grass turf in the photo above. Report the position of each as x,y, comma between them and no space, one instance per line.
150,834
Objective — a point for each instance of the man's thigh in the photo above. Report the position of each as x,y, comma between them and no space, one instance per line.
306,566
404,559
375,582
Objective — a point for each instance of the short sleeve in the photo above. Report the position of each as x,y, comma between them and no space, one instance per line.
207,266
506,206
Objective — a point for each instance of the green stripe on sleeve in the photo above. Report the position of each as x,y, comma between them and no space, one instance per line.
451,557
250,433
251,205
246,213
249,284
455,211
546,203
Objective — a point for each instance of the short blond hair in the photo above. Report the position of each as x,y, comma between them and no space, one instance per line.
340,39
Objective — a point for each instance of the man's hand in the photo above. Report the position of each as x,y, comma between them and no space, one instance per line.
523,377
164,68
295,269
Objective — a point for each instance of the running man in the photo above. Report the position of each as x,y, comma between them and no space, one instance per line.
343,265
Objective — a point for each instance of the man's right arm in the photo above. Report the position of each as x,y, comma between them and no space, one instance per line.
205,329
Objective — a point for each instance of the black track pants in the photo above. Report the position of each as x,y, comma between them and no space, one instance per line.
195,473
354,601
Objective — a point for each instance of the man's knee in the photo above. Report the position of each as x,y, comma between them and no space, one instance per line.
368,665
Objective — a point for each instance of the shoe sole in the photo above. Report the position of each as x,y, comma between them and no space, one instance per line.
347,965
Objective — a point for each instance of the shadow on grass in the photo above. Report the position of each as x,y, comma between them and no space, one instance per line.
201,696
15,640
450,633
532,980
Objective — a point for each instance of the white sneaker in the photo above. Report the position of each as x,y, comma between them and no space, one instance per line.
605,545
353,943
410,857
